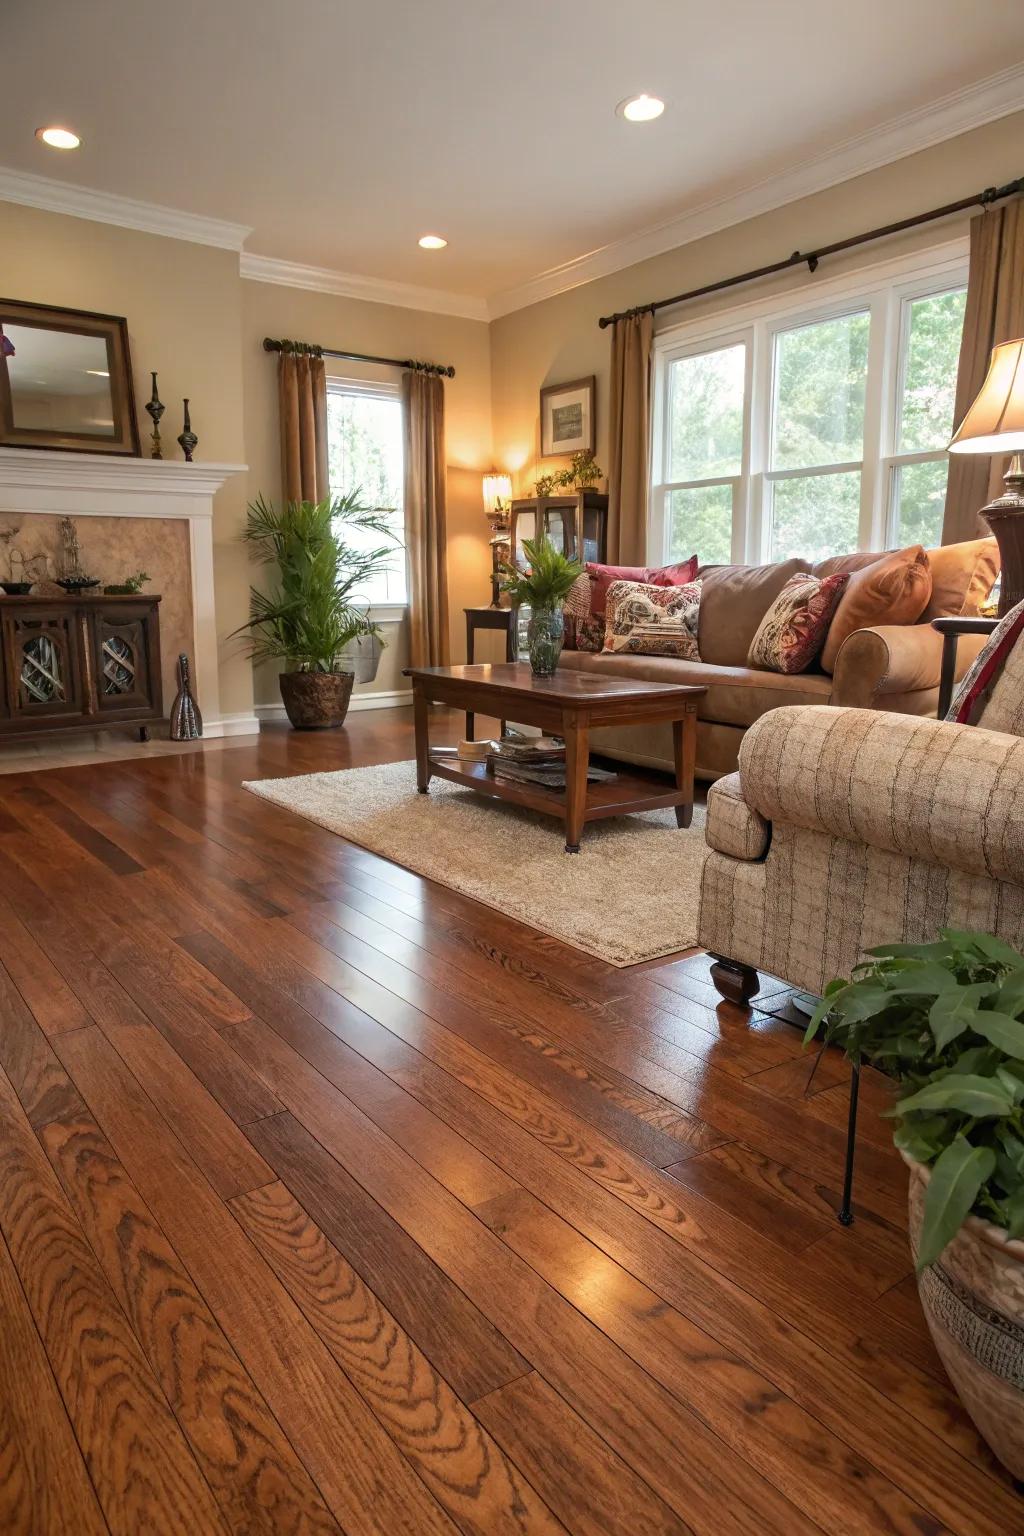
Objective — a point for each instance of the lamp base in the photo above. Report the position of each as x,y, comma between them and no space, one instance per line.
1005,517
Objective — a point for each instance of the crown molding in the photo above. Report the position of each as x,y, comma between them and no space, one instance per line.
350,285
126,212
984,102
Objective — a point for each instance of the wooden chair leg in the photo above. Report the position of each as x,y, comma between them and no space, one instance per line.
736,982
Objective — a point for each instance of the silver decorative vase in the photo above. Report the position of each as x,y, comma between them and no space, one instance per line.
186,720
545,634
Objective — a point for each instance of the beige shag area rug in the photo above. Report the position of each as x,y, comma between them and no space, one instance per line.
631,894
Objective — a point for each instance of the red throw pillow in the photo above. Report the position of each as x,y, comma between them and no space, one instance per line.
602,576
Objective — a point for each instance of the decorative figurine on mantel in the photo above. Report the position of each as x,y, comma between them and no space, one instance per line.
72,577
188,440
186,721
155,409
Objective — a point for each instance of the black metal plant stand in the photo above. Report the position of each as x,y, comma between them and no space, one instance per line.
845,1212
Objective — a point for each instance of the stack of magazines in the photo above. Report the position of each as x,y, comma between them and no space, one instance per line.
534,760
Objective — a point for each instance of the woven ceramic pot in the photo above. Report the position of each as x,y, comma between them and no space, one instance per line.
316,701
973,1300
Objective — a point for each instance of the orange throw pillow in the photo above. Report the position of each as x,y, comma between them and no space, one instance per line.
895,590
963,576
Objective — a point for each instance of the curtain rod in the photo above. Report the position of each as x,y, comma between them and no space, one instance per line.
443,369
979,199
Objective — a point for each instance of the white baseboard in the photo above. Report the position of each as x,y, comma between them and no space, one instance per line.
391,698
238,724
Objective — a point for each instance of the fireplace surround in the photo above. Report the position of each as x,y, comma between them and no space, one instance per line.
100,485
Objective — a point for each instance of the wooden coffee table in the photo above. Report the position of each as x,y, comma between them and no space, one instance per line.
566,705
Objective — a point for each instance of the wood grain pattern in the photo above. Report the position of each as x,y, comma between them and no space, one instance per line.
143,1472
358,1471
255,1475
334,1201
467,1472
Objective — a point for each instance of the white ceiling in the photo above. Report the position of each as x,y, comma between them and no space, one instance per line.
341,130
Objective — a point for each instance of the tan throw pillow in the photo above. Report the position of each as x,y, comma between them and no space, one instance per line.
647,620
793,630
963,576
895,590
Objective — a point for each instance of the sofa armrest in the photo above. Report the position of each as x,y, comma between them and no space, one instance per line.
894,659
732,827
947,793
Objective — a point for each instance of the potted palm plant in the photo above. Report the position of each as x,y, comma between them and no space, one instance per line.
543,588
945,1021
315,614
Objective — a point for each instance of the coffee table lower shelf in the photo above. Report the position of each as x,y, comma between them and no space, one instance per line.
626,793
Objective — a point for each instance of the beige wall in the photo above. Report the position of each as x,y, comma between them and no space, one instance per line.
560,338
383,331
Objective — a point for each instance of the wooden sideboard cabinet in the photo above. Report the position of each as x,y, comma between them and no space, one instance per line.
79,663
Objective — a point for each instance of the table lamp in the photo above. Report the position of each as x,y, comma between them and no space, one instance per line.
995,425
497,495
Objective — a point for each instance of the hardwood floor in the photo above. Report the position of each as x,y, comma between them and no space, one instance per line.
333,1201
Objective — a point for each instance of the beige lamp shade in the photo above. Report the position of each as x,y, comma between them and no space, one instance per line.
497,491
995,422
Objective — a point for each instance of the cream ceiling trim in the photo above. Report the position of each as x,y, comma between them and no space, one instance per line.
997,96
126,212
350,285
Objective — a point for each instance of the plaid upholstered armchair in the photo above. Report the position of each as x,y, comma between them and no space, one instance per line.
846,828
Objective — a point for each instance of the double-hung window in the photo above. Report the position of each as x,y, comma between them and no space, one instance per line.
364,454
810,427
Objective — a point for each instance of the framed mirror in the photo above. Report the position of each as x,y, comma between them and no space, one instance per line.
65,380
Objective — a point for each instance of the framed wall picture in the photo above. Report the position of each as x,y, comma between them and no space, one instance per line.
65,380
567,418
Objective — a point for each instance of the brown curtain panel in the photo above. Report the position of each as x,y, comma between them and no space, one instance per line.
302,390
425,519
629,467
995,313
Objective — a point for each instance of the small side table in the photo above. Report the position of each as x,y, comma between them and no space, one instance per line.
951,629
489,618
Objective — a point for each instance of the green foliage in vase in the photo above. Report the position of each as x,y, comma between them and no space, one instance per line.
316,609
547,582
946,1021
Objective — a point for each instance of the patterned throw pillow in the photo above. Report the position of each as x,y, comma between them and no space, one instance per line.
602,576
793,630
647,620
590,633
991,693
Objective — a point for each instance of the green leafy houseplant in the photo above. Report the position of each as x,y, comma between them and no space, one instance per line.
543,588
547,581
945,1020
317,607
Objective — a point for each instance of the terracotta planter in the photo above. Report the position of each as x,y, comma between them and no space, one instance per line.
973,1300
316,701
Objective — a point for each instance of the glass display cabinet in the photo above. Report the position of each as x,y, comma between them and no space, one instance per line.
576,524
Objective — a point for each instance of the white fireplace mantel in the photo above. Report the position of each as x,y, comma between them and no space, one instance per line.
104,485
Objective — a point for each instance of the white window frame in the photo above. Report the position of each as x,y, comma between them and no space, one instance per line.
376,389
884,289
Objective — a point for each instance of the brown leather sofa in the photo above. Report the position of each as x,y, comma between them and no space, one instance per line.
892,667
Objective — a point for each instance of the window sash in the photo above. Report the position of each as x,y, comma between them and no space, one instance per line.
885,291
382,609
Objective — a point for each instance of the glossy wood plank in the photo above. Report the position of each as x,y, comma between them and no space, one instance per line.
254,1473
484,1492
143,1472
44,1486
362,1477
662,1440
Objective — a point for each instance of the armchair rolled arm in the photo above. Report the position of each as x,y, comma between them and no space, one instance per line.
731,826
950,794
893,659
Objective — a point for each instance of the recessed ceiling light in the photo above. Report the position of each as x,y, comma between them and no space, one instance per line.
58,138
641,109
433,242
